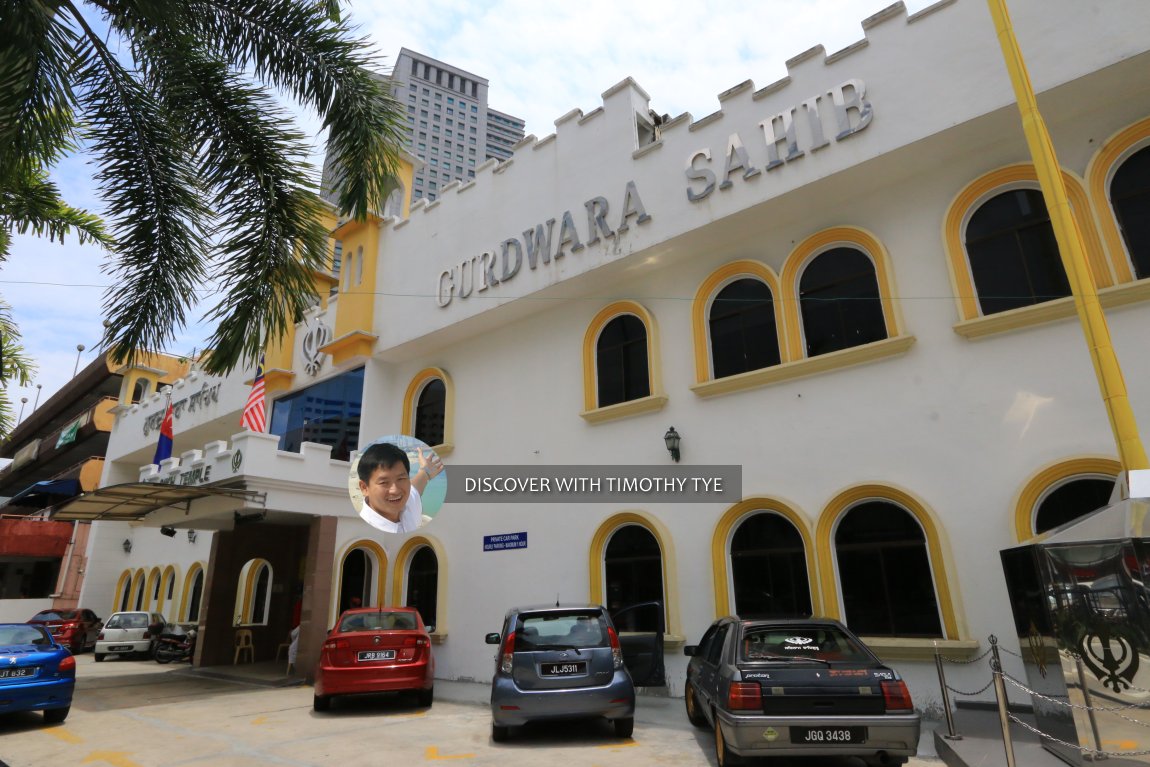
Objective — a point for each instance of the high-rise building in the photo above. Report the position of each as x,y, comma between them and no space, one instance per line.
449,125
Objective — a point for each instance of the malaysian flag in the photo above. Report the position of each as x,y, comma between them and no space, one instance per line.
254,416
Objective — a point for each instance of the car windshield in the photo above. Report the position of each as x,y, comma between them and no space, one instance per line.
575,629
14,635
56,615
381,620
128,621
825,643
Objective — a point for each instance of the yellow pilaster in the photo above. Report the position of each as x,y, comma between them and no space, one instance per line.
1070,245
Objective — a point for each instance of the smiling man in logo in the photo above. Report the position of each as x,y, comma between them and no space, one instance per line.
391,495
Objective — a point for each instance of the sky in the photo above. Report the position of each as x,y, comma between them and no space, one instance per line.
541,60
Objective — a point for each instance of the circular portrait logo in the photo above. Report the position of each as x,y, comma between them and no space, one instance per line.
397,484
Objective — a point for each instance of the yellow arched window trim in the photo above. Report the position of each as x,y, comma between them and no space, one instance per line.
399,580
251,573
125,582
138,593
1099,174
380,574
189,581
895,647
598,552
411,400
162,603
1026,505
705,295
1021,175
721,548
805,251
592,413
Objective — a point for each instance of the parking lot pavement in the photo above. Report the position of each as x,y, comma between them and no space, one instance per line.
140,714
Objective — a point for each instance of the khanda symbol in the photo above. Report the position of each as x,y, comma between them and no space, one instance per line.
1098,653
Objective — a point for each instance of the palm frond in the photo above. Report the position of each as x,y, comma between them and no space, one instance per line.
31,202
147,177
15,366
37,53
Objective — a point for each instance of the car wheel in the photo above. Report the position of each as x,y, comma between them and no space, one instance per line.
724,755
624,727
425,697
321,702
98,657
694,714
499,732
56,715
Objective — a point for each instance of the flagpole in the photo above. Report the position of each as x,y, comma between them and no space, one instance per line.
1070,245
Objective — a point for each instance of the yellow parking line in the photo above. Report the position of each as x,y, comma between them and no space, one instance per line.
64,735
114,758
629,744
433,754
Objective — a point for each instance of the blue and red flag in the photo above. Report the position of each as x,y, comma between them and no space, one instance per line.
164,446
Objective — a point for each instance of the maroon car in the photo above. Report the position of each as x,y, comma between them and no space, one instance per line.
76,629
373,650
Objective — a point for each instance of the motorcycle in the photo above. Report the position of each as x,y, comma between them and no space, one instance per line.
176,645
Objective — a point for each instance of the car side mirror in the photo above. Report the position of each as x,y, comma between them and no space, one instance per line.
691,649
491,639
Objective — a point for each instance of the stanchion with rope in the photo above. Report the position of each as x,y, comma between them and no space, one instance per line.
1000,694
951,734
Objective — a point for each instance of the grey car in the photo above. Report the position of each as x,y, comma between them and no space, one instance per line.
130,633
797,687
567,662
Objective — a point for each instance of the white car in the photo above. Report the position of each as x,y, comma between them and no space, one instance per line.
129,633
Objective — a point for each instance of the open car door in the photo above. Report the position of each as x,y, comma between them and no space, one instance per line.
641,628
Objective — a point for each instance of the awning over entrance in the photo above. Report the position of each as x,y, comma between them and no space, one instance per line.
42,494
132,501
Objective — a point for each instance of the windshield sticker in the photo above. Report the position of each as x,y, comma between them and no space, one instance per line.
798,640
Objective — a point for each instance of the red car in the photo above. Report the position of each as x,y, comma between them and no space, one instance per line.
376,649
75,629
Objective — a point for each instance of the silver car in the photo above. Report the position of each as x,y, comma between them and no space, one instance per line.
129,633
565,663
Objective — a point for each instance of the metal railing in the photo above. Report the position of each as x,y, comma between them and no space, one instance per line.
999,679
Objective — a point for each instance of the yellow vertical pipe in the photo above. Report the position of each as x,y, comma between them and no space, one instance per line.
1070,245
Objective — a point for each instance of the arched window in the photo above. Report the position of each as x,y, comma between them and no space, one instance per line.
138,588
1130,197
123,591
840,302
743,331
253,593
1071,500
336,264
885,572
1014,258
769,568
621,361
195,596
633,571
355,580
431,412
423,584
140,390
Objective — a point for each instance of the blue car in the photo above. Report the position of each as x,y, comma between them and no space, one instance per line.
36,673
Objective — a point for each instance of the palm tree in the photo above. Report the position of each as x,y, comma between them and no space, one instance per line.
204,177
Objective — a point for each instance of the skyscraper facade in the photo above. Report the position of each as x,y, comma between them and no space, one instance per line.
449,125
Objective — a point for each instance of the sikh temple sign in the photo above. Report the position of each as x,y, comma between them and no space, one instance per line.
479,273
780,139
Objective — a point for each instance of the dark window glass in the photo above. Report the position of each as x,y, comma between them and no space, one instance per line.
327,413
430,412
634,570
195,596
423,584
140,596
171,586
769,569
140,390
743,331
621,361
1130,196
1013,255
884,573
259,599
715,648
355,580
839,301
1071,501
125,596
